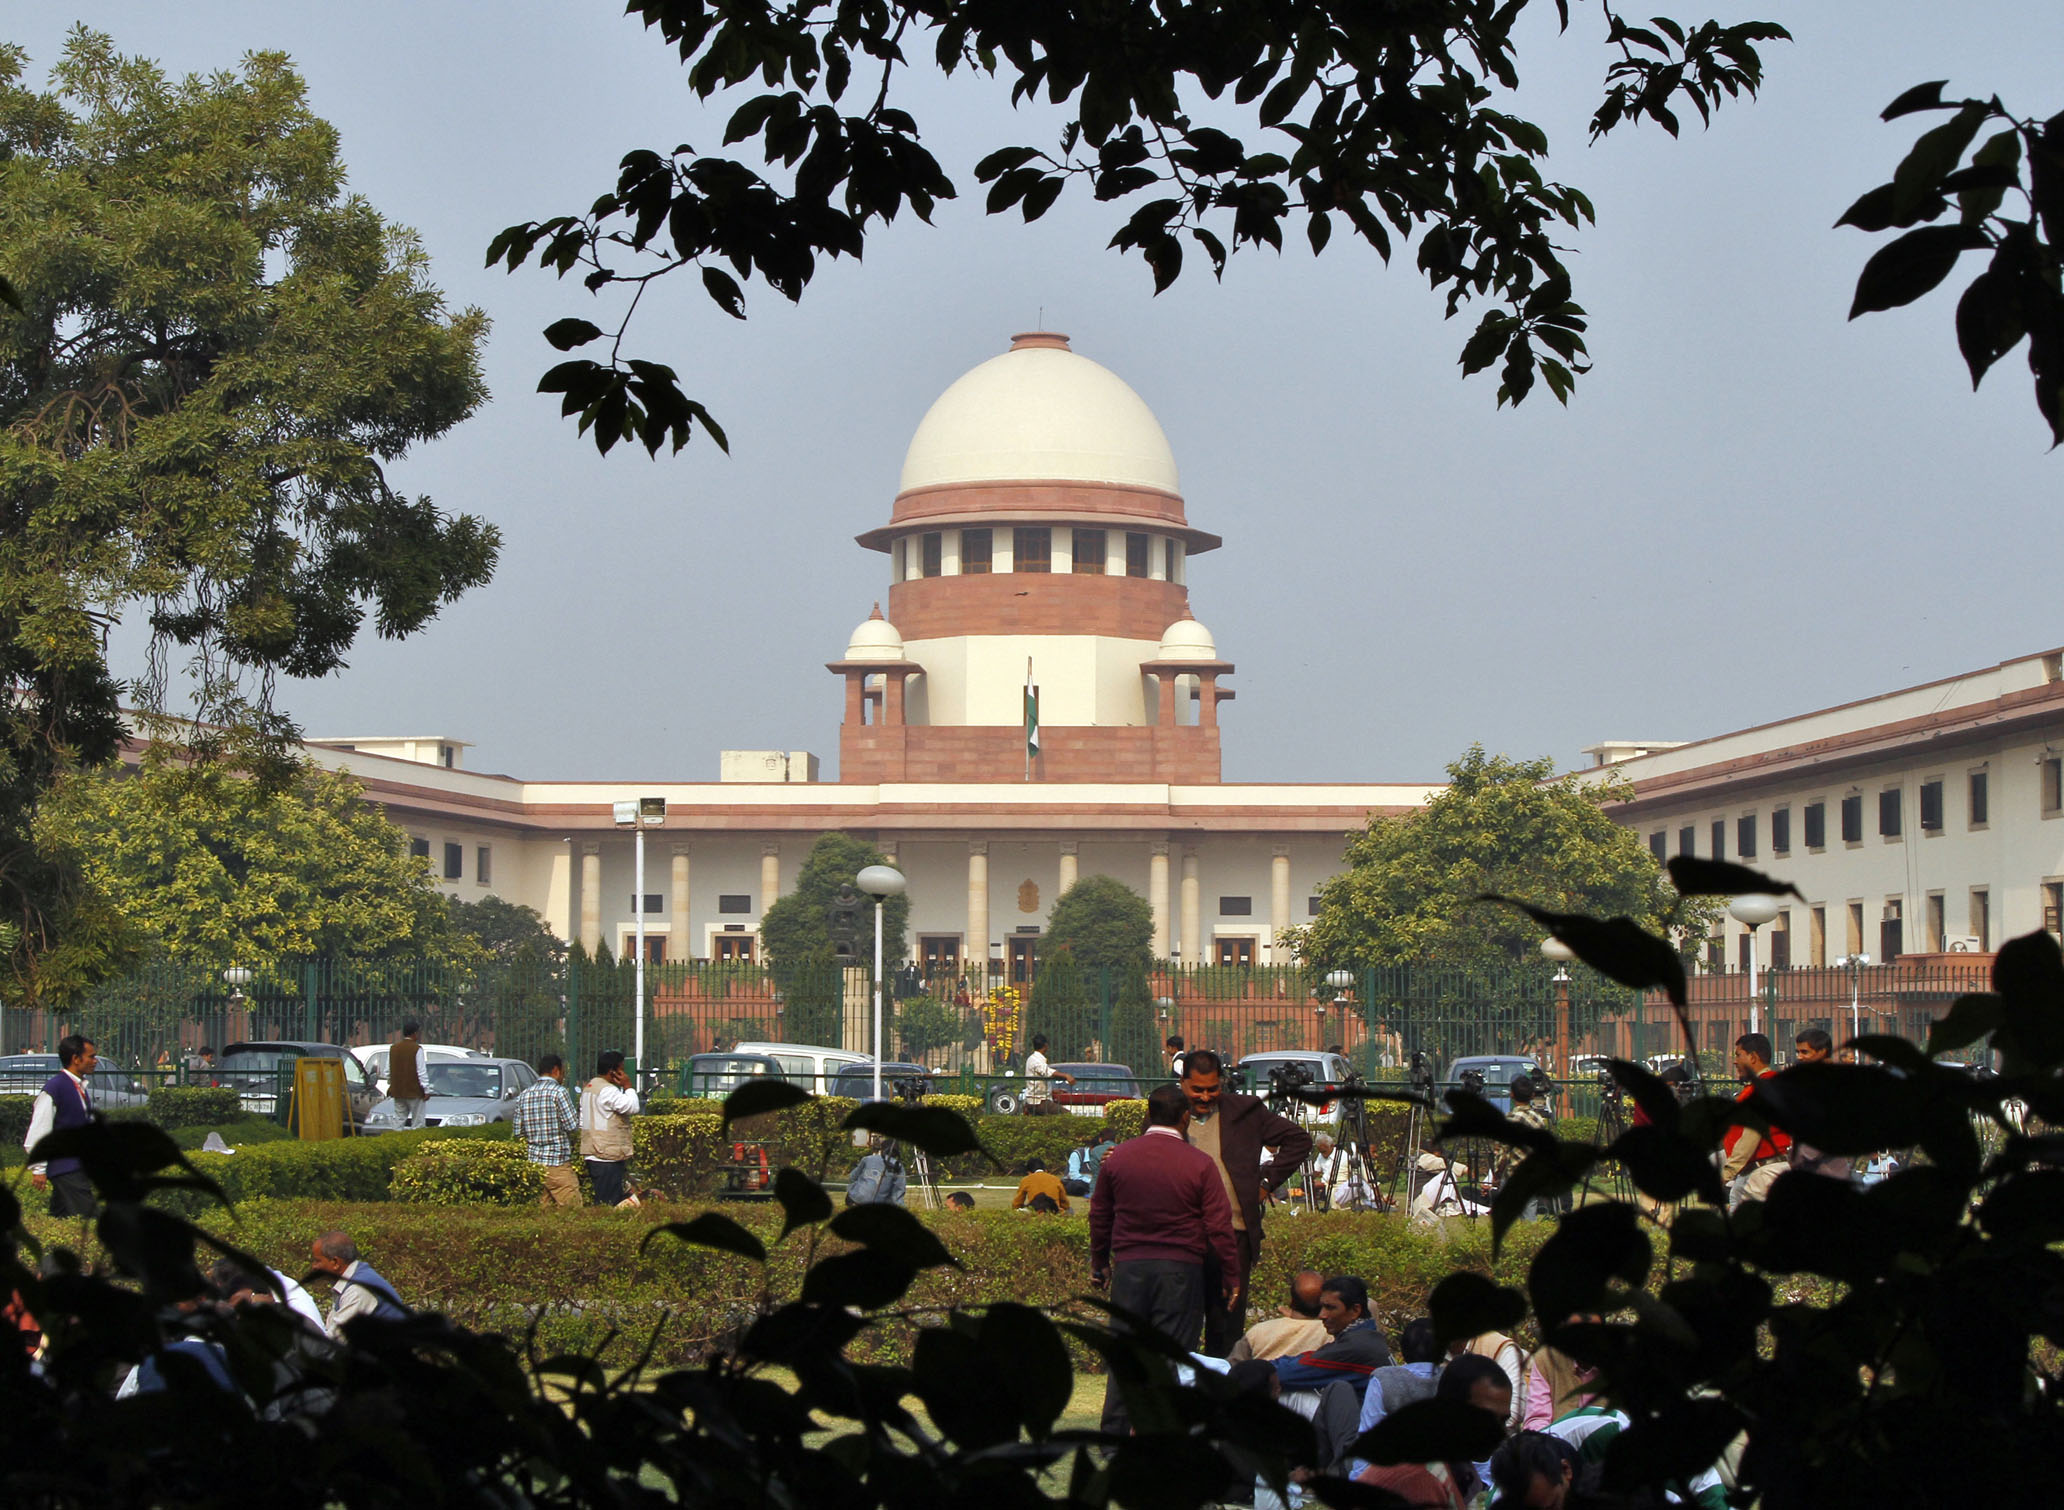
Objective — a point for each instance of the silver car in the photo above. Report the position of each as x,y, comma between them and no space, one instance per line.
463,1093
109,1087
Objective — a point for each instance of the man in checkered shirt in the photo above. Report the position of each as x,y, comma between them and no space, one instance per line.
545,1120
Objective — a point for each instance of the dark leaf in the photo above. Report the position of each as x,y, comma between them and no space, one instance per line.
1618,948
1471,1116
938,1132
1968,1019
569,333
2027,1209
1988,322
1648,1089
798,1332
712,1231
958,1385
756,1097
1665,1165
1593,1246
1694,877
1926,96
864,1278
1884,207
1903,270
1028,1361
1673,1447
894,1233
1549,1172
2028,977
1467,1305
1164,1471
802,1200
1432,1431
724,288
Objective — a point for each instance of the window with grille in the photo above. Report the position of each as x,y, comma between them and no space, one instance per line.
1889,805
1032,549
1136,560
734,901
454,861
1719,838
654,902
931,553
1659,845
1816,825
483,865
1745,837
1687,840
1931,807
419,848
1781,831
1981,919
1979,798
974,553
1852,820
2052,785
1891,936
1236,907
1089,552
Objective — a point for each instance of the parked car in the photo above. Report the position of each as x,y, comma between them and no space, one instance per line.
466,1092
1498,1071
1096,1087
109,1088
372,1057
716,1076
1327,1071
805,1064
258,1071
857,1080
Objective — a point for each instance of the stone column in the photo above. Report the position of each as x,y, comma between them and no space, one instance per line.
590,894
978,904
1157,895
559,893
1192,908
770,875
1279,903
1071,865
679,945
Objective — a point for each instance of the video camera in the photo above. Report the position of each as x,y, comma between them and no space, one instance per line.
1422,1071
1473,1082
1288,1079
909,1088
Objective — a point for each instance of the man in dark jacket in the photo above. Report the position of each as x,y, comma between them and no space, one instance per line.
1160,1211
1234,1129
1356,1347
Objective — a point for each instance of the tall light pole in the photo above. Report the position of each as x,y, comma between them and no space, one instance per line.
880,882
1555,949
1752,910
639,814
1341,981
1854,964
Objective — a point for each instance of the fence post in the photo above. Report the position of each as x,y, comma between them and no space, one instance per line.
573,1008
1110,1050
310,1015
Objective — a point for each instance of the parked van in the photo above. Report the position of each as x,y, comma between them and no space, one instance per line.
808,1065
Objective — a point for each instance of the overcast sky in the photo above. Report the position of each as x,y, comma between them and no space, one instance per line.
1750,509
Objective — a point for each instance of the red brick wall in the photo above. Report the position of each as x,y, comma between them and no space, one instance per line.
1126,608
869,752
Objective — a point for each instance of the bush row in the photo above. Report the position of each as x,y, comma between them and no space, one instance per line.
342,1169
582,1276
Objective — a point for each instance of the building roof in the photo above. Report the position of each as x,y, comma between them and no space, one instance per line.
1040,413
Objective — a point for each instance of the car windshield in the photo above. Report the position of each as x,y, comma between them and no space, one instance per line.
1102,1078
459,1078
717,1075
255,1064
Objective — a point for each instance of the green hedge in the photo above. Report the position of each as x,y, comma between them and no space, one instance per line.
340,1169
175,1106
581,1274
14,1121
468,1172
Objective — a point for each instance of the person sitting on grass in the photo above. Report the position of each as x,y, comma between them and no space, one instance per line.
960,1200
1037,1182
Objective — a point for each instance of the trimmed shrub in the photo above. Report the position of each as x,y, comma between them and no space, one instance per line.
468,1172
174,1106
14,1122
1015,1139
970,1107
342,1169
679,1154
1125,1119
682,1106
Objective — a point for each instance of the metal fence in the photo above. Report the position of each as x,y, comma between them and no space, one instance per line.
981,1022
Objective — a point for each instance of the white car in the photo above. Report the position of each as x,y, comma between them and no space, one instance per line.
465,1091
373,1058
1253,1075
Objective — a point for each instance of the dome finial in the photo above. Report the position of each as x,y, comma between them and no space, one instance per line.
877,610
1025,340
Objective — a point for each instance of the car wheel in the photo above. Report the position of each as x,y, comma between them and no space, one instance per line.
1005,1102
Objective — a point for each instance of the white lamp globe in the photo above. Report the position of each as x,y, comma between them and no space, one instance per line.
1753,909
1555,949
880,881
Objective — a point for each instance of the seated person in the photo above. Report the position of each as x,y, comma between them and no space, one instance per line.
1038,1182
1392,1389
1356,1348
1294,1329
960,1200
1448,1486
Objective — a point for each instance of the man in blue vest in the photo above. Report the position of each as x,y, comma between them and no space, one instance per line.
62,1104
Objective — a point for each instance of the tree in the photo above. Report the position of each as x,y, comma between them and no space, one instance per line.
797,932
1409,892
925,1023
1096,951
1382,122
521,976
195,862
210,356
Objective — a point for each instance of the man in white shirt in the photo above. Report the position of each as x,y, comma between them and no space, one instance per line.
61,1105
607,1105
1039,1079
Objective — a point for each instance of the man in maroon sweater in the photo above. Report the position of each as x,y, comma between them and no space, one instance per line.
1160,1212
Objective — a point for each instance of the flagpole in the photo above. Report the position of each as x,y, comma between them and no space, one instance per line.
1028,718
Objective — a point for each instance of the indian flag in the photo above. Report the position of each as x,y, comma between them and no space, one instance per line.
1031,713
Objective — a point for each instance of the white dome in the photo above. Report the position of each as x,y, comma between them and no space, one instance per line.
1040,413
875,640
1187,640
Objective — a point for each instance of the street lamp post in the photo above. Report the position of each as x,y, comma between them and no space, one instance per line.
1340,981
1854,964
639,814
1555,949
1752,910
880,882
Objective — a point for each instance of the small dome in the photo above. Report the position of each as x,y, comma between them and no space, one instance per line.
1040,413
875,640
1187,640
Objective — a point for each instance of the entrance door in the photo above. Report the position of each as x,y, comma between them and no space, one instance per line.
1022,964
1238,952
941,955
732,948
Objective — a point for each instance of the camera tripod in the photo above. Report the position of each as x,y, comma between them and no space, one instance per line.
1410,1181
1349,1165
1612,1121
917,1174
